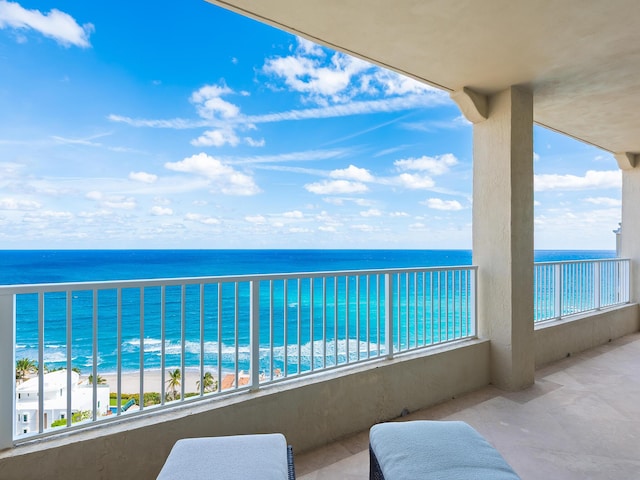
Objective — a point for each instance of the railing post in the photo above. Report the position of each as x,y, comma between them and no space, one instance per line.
557,291
388,314
474,304
597,267
624,284
7,373
254,333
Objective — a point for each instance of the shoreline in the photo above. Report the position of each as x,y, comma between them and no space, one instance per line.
130,380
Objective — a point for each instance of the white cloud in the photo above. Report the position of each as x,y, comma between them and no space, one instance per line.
94,195
415,181
57,25
395,84
398,214
216,138
352,173
210,105
363,228
96,214
311,74
36,217
293,214
335,187
591,179
226,179
439,204
327,77
307,47
119,202
371,213
143,177
161,211
536,157
256,219
196,217
18,204
327,228
437,165
604,201
417,226
299,230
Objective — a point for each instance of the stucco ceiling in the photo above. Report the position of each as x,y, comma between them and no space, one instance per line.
581,58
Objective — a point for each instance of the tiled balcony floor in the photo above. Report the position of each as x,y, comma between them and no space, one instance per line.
581,420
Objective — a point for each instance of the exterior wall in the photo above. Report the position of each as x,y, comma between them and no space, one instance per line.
557,340
309,411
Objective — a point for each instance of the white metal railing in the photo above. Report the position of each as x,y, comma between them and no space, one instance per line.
225,333
578,286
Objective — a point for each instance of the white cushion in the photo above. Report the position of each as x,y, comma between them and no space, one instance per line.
436,449
230,458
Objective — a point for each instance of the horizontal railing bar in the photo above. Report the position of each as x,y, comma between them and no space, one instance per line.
159,282
593,260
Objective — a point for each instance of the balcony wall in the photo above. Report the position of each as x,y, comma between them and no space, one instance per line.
561,338
311,411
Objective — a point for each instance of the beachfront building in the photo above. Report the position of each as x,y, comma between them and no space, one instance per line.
571,66
55,400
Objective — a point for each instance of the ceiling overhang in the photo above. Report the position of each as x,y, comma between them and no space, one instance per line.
580,59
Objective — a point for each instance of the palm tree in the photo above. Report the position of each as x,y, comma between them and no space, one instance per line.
208,382
173,383
24,367
101,380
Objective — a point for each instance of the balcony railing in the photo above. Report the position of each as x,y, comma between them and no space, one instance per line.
223,334
238,333
574,287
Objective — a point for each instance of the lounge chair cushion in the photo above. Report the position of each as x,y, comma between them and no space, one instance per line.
433,449
230,458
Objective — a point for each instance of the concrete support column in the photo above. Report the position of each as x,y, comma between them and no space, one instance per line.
503,231
630,243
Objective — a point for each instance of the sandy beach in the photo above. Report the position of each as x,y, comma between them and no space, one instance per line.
130,381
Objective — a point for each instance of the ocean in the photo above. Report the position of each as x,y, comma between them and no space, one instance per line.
61,266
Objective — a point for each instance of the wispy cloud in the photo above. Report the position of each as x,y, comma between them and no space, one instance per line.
434,125
88,142
304,156
604,201
59,26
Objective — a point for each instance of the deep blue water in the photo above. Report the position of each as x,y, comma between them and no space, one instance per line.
53,266
31,267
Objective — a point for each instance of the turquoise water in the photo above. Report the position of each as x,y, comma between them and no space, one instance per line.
29,267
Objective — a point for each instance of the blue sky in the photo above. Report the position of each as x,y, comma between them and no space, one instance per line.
187,126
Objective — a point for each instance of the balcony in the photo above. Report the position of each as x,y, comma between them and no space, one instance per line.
579,420
358,348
